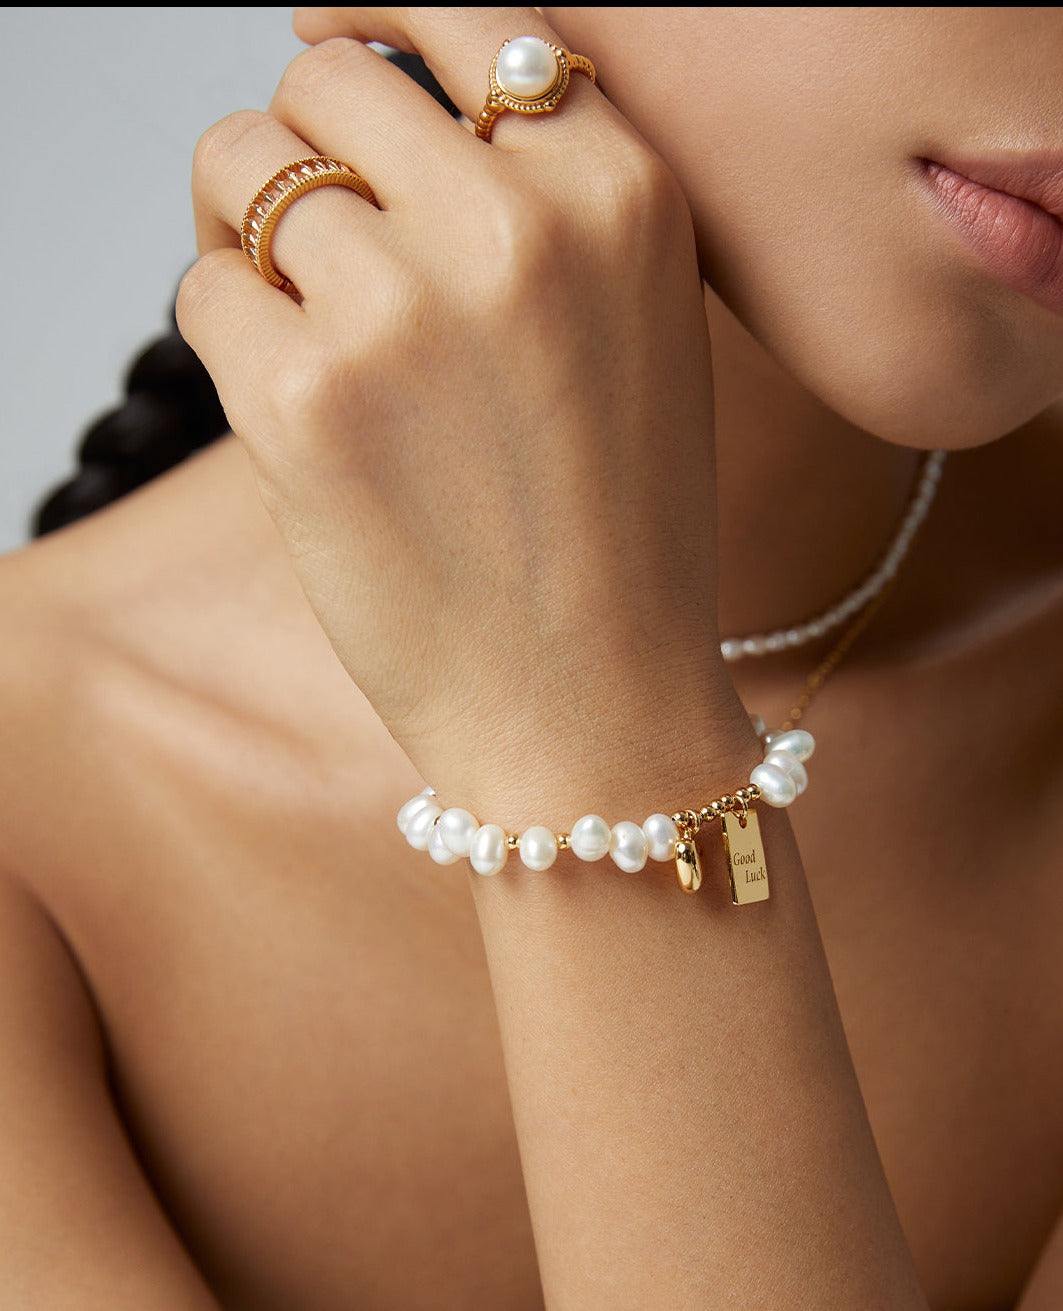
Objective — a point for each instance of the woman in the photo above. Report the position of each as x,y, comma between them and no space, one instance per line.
258,1052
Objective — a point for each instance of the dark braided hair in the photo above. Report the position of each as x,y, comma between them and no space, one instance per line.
171,408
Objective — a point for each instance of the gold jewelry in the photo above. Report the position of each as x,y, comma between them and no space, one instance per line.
529,76
447,834
281,190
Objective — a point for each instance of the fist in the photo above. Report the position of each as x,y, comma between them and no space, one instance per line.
482,423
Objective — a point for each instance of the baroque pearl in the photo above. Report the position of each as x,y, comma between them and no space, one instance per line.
538,847
487,850
662,835
776,786
526,68
797,741
457,827
629,846
789,764
589,838
407,812
438,849
419,829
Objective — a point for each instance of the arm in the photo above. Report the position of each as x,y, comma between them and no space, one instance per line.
495,481
690,1125
79,1225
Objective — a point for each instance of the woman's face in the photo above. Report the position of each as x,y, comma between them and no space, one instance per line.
919,305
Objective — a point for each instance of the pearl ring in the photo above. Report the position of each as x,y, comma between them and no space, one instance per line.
528,75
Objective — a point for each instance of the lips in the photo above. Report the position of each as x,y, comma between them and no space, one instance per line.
1009,212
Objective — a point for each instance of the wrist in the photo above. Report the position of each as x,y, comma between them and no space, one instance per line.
625,758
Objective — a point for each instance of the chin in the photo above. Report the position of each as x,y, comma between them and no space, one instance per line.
942,375
937,399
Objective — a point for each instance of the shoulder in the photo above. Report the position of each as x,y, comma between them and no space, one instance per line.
63,1144
163,649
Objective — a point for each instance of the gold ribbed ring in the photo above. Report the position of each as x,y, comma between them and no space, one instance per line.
281,190
526,82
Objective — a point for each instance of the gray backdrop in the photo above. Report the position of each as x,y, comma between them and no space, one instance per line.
101,109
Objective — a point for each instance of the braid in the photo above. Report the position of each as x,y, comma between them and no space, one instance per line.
171,409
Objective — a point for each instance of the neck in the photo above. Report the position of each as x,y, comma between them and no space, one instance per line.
806,502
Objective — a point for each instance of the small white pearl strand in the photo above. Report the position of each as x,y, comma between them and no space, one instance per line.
736,648
448,834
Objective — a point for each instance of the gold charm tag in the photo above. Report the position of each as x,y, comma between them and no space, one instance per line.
687,864
745,858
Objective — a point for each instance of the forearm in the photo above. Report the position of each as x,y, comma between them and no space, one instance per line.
690,1124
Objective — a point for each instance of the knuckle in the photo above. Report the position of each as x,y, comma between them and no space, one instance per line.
303,78
197,289
523,235
633,191
304,390
312,394
214,148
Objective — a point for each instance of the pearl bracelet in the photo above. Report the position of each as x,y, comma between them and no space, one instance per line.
448,834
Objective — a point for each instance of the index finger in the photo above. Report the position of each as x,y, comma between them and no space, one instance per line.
458,45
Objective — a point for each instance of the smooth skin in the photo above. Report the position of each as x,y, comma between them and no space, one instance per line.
259,1054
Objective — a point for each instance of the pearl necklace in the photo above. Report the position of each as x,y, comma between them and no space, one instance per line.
735,648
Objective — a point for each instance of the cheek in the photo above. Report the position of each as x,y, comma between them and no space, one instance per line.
858,294
794,134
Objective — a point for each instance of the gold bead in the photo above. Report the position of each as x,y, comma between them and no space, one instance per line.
687,820
563,842
512,841
708,814
726,802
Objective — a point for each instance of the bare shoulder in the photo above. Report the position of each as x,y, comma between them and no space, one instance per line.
80,1222
164,643
204,807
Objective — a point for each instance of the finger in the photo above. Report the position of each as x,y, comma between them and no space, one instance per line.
458,45
318,235
355,104
243,330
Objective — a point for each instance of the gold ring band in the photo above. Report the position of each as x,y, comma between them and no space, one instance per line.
522,79
281,190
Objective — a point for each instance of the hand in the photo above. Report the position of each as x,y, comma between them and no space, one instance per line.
485,429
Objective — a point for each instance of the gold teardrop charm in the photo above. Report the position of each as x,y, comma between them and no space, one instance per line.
687,864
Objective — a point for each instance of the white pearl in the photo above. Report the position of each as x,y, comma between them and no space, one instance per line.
419,829
776,787
797,741
789,764
731,649
457,827
589,838
538,847
629,846
755,646
407,812
487,850
526,68
438,849
662,835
